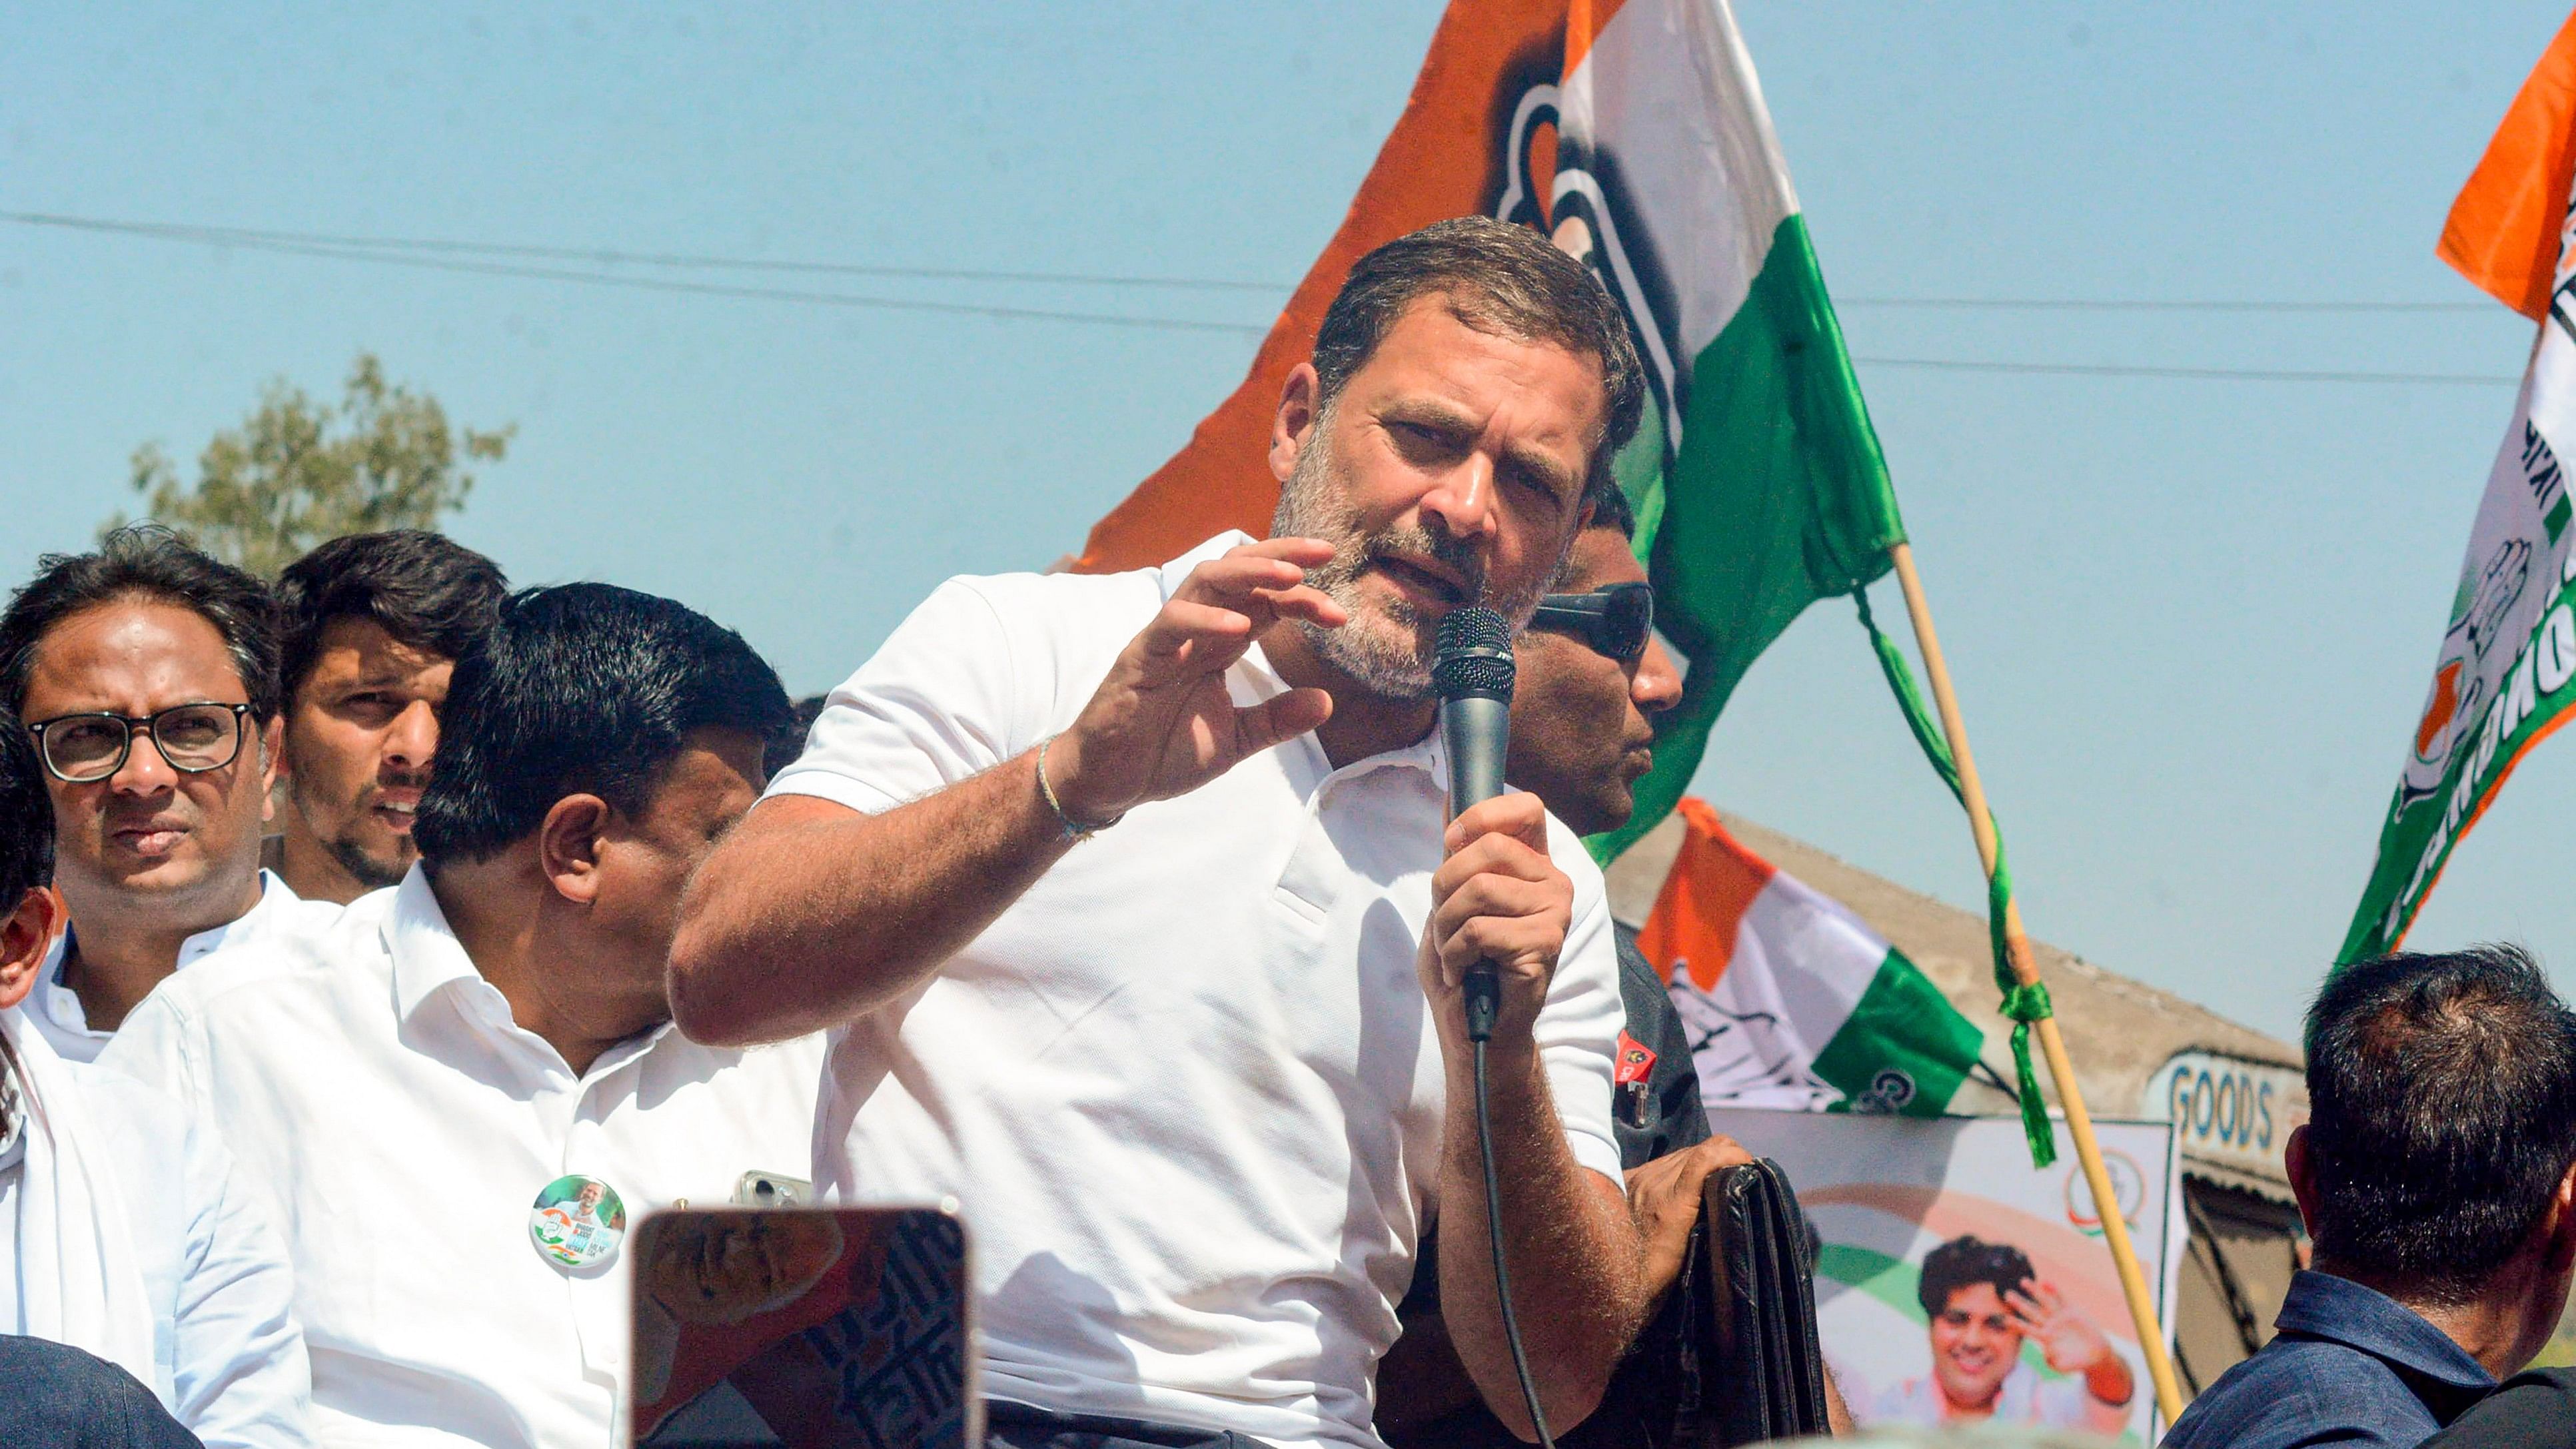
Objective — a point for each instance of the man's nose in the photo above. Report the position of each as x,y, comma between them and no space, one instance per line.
146,770
1463,500
413,737
1657,684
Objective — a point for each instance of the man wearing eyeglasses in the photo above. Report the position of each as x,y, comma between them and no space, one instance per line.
146,673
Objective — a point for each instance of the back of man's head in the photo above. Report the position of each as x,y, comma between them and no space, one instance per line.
582,689
423,589
2442,1092
144,561
27,836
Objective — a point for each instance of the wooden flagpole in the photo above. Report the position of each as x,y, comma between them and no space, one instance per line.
2079,1123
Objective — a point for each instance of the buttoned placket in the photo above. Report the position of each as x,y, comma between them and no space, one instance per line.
1315,872
574,1122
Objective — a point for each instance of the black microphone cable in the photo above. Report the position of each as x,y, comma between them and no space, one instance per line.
1472,670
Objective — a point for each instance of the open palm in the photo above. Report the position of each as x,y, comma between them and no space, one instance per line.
1162,723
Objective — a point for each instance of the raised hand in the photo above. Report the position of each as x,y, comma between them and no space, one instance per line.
1498,898
2069,1340
1161,724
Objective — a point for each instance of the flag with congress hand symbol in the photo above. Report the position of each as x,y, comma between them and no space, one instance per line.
2505,675
1633,133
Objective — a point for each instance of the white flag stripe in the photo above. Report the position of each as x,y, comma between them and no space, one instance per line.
1668,89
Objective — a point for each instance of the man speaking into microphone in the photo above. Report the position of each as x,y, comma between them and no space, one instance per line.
1134,908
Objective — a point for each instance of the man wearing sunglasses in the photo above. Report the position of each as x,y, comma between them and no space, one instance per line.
146,673
1591,680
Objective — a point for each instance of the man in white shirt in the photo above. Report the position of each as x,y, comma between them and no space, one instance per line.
125,1232
147,672
370,627
427,1083
1197,1083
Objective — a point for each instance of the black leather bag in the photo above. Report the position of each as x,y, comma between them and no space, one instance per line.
1752,1323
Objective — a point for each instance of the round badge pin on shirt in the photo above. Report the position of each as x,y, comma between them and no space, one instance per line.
577,1222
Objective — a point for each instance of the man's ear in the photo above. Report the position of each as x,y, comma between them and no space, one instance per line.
2302,1174
568,845
24,937
1292,428
2561,1252
272,746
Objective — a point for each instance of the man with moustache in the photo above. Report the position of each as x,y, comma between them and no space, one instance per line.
1129,902
457,1093
371,627
146,672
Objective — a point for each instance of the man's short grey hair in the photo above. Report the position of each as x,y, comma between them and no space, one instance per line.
1497,278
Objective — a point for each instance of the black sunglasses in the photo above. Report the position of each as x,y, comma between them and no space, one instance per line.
1616,620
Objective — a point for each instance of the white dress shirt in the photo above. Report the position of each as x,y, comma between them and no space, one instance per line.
1186,1088
227,1359
376,1083
55,1008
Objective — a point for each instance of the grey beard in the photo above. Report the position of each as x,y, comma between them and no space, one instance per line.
1385,648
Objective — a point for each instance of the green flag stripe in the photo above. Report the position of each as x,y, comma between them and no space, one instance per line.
1901,1024
1778,497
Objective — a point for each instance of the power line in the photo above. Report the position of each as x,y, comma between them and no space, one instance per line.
2242,374
461,260
614,256
609,256
722,289
2145,304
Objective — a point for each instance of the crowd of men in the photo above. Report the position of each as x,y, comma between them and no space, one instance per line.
352,919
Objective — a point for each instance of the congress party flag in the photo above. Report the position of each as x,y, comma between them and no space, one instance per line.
1790,1001
1633,133
2505,675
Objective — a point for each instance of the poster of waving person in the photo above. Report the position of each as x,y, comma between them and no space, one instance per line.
1954,1281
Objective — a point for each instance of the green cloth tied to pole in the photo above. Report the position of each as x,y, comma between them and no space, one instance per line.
2022,1004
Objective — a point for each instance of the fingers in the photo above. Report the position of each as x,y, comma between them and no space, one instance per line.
1265,581
1499,900
1185,642
1502,854
1722,1151
1280,718
1519,816
1516,944
2025,1311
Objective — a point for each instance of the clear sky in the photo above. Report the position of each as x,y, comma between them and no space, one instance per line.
2191,620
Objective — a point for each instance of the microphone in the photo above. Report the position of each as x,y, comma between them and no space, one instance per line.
1471,670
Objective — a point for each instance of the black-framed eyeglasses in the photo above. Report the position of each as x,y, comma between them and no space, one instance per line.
82,749
1616,620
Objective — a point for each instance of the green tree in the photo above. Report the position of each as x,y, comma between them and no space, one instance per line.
298,472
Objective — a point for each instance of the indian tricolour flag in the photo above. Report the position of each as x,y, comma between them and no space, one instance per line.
1633,133
1791,1000
2505,675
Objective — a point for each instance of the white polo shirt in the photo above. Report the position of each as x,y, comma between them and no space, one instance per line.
55,1008
375,1083
1186,1088
227,1360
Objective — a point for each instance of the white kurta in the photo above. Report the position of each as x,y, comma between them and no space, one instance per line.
55,1009
376,1084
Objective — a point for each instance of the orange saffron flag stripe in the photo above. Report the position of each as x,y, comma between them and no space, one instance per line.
1701,908
2503,233
1439,162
